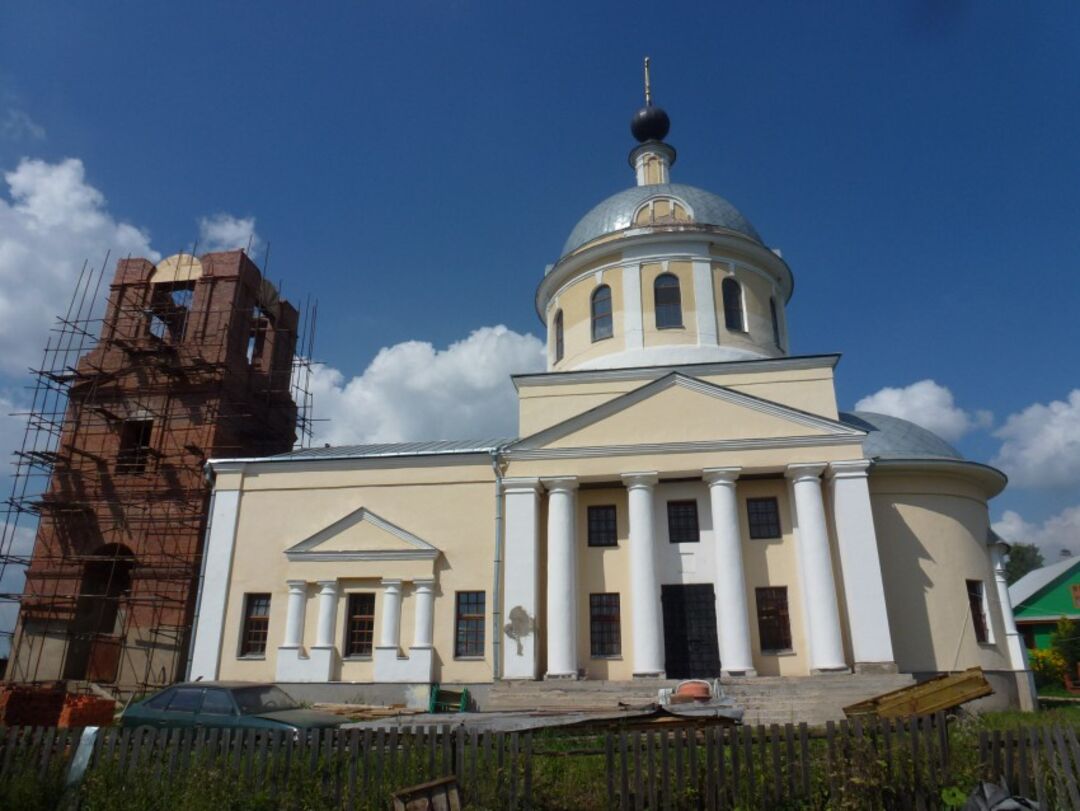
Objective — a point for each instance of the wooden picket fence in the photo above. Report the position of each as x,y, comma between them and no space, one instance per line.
907,763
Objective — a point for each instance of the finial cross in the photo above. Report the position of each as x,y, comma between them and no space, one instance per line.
648,86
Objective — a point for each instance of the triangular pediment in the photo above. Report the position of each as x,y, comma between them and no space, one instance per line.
678,410
362,535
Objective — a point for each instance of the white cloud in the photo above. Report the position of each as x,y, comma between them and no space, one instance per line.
224,232
1041,444
927,404
1061,531
17,125
413,391
51,221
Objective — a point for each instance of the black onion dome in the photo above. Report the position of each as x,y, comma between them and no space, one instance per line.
650,124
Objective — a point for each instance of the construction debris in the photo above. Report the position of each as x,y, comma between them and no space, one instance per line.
925,698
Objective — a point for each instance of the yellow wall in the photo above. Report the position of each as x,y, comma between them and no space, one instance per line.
932,534
687,333
281,507
575,301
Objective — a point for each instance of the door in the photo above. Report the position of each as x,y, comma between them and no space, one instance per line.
691,648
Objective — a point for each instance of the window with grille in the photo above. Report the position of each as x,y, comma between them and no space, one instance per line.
469,627
682,523
601,313
559,348
668,301
733,310
360,624
978,614
256,625
604,634
603,530
775,322
134,450
774,625
763,516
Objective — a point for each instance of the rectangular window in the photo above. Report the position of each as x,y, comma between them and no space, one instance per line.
469,625
134,446
763,516
604,634
256,625
682,523
603,530
774,625
978,614
360,625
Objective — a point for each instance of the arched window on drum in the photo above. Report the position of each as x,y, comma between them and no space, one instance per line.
668,301
602,326
734,318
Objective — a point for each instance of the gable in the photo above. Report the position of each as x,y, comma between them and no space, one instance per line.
1047,592
678,409
362,535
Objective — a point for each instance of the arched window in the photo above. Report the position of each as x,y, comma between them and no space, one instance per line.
775,321
733,313
668,301
601,313
558,337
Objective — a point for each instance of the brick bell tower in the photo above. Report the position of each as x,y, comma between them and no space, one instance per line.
194,359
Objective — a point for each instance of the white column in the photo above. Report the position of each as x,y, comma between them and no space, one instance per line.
562,613
521,578
705,303
294,617
1017,654
815,564
860,567
424,620
647,618
328,600
736,656
390,630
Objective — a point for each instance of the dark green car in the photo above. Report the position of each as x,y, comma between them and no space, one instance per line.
244,705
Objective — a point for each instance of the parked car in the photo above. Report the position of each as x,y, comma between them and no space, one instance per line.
244,705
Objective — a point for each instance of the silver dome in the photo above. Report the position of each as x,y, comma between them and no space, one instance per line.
616,213
894,438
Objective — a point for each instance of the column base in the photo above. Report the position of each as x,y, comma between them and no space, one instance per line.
416,668
294,666
876,667
830,671
659,674
748,673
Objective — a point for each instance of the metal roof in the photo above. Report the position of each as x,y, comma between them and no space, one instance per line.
616,213
384,449
1035,581
894,438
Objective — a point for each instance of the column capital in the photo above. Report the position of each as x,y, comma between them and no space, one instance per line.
423,582
720,475
849,469
805,471
563,484
521,485
391,583
296,585
640,479
327,586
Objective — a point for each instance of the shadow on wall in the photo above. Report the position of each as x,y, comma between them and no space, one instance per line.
906,590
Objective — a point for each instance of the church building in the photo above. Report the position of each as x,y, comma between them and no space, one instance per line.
684,500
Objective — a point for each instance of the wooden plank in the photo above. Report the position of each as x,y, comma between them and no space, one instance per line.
369,759
609,753
125,744
392,760
526,793
1054,776
665,773
639,788
777,766
650,749
916,758
379,747
46,750
1074,748
748,759
995,756
680,776
736,766
941,724
474,758
789,749
721,767
624,780
1022,758
711,800
513,769
354,756
830,739
984,755
447,760
763,760
804,759
692,758
1037,771
1010,762
1066,764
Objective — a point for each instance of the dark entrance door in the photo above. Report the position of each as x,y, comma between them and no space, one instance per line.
691,648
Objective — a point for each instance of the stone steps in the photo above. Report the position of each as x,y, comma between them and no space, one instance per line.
765,700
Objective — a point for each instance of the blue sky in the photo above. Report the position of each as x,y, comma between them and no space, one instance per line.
415,165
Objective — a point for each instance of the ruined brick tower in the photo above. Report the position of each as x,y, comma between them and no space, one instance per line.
194,359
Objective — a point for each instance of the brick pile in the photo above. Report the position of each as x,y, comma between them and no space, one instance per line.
86,711
31,705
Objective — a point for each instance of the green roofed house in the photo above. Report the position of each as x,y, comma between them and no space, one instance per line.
1042,597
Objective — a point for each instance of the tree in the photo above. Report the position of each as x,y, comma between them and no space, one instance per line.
1065,641
1023,558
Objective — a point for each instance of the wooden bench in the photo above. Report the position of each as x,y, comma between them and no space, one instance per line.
448,700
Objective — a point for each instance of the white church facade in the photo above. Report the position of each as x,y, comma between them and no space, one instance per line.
685,499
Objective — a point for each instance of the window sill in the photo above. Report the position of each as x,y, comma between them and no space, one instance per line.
615,657
602,546
602,338
782,652
357,658
252,658
469,658
676,326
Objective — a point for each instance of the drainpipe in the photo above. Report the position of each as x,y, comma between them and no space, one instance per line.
496,591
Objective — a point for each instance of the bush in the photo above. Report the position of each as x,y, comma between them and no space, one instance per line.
1048,666
1065,641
